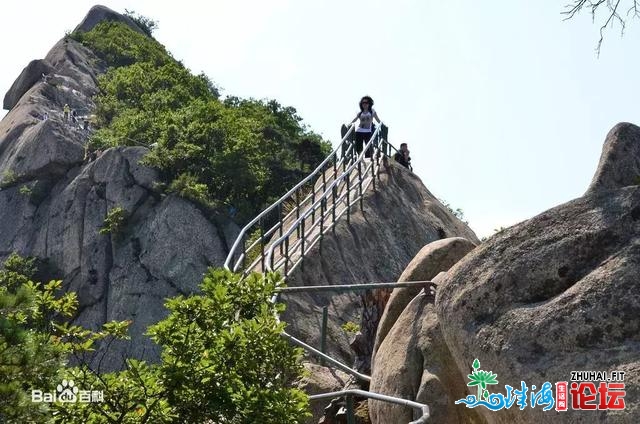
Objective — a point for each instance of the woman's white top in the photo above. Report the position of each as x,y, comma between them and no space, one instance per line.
366,119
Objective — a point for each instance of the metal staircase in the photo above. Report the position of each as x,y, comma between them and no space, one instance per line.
280,236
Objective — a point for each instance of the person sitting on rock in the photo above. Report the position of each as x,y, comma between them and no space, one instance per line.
365,127
402,156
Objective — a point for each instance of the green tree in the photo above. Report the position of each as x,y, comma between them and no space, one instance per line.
36,340
240,152
147,25
223,361
223,358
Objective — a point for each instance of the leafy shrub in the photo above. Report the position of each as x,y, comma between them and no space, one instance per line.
246,152
114,222
25,190
350,327
458,213
147,25
223,359
35,342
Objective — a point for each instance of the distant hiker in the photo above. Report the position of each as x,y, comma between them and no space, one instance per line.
45,116
85,123
66,109
74,116
365,127
402,157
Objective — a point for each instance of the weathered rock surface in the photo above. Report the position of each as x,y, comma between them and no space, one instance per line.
53,204
556,293
411,360
29,76
414,363
321,380
99,14
396,222
620,161
432,259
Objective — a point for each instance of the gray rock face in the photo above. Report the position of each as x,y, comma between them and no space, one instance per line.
320,380
556,294
53,204
432,259
413,362
620,161
396,222
99,14
29,76
411,358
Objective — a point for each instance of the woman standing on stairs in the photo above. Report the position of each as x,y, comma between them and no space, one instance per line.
365,127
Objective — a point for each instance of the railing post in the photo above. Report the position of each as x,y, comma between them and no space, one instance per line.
360,184
262,243
373,173
286,256
244,253
298,210
280,223
348,198
333,206
323,209
313,200
351,418
302,246
323,332
324,181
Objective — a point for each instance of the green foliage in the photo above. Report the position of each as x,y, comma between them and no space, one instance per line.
25,190
119,45
458,213
246,153
8,178
147,25
34,340
350,327
187,186
223,361
114,222
253,253
223,357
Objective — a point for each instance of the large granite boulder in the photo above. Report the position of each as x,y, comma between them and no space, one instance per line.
432,259
413,362
557,293
620,161
320,379
396,221
101,13
29,76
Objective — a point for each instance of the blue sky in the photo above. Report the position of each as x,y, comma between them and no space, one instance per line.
505,107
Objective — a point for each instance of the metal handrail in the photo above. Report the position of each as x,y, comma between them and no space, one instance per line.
322,201
321,168
422,408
